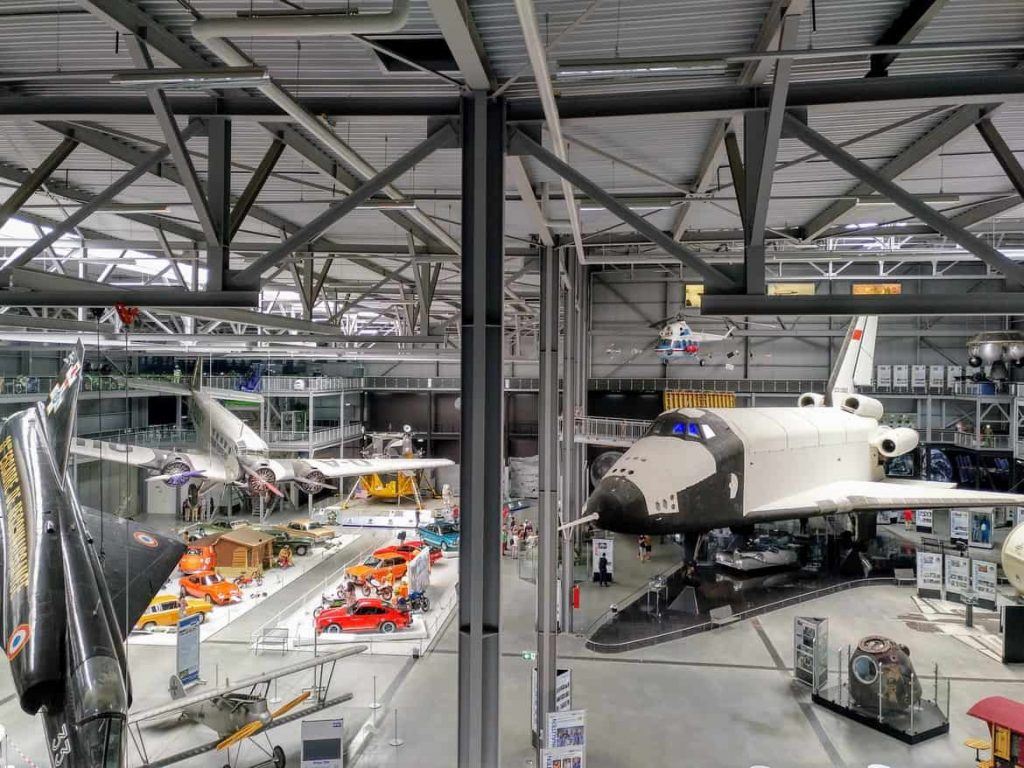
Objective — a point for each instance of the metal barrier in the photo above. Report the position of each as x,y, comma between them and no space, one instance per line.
318,436
158,436
971,440
597,430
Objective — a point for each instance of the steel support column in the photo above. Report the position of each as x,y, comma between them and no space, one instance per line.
910,203
547,527
570,505
218,191
255,186
483,201
1003,154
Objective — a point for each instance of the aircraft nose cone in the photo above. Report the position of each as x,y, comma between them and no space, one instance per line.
619,505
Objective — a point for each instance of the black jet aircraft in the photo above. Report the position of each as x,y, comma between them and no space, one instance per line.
69,598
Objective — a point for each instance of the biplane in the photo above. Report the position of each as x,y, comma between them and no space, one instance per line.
240,713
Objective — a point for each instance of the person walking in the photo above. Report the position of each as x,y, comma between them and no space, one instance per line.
640,548
602,571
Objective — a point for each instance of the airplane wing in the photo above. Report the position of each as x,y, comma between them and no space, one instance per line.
867,495
136,455
135,562
356,467
176,705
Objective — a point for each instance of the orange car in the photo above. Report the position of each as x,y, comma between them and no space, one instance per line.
212,587
412,548
390,566
197,559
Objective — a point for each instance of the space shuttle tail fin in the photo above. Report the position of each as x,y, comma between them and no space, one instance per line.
61,407
855,365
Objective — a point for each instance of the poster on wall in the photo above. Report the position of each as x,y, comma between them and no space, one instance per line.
323,743
883,377
981,528
810,651
923,520
876,289
936,376
604,547
188,648
563,695
953,377
929,574
984,582
566,729
959,525
900,376
791,289
919,376
562,757
958,576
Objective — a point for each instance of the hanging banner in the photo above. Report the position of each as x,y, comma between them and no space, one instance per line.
188,648
900,376
982,521
929,574
936,376
919,376
883,376
958,576
959,525
604,547
563,695
923,520
984,582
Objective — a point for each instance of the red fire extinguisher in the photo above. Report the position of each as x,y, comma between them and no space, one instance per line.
576,596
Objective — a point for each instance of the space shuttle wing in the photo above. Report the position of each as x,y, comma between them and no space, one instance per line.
357,467
136,455
867,495
177,705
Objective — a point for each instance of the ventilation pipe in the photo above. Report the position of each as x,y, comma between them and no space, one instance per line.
211,33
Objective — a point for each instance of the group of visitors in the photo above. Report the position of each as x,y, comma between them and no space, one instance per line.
515,536
643,548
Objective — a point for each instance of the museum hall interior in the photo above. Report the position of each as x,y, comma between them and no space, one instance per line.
512,383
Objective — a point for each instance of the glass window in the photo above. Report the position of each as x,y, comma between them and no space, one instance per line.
865,669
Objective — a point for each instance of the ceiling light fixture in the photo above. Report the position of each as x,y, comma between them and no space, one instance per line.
192,79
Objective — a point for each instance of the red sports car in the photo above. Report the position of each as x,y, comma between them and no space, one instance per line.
367,615
412,549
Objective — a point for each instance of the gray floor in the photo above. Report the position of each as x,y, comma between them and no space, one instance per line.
724,698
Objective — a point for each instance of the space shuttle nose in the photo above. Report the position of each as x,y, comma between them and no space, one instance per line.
619,505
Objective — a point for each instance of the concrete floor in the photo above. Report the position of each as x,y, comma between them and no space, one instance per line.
724,698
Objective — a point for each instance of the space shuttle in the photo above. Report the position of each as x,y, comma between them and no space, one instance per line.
73,586
702,468
230,452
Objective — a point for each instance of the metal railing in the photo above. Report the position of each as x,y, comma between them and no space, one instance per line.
971,440
318,436
605,431
153,437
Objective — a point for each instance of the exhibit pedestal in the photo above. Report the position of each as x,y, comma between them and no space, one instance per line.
923,721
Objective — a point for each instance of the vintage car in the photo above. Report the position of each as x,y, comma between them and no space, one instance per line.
210,586
390,566
197,558
299,543
368,615
411,548
165,611
312,528
212,527
442,534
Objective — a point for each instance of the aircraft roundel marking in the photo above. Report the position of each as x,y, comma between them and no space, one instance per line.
857,334
17,641
145,539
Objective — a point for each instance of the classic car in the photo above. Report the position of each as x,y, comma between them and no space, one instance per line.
300,543
197,558
411,548
210,586
312,528
368,615
391,566
165,611
443,534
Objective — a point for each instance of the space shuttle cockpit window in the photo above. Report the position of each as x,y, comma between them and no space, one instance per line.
674,425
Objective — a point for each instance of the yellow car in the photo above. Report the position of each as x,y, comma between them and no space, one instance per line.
165,611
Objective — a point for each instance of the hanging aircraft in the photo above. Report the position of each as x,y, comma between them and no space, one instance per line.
994,351
697,469
678,341
65,569
239,712
230,452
